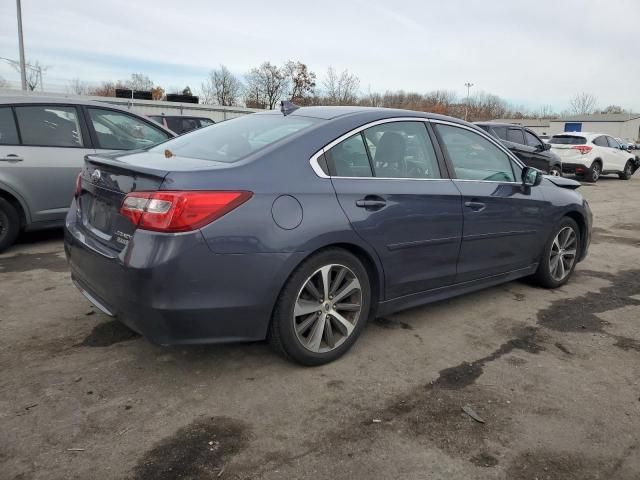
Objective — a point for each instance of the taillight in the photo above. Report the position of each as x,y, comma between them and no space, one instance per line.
78,191
584,149
174,211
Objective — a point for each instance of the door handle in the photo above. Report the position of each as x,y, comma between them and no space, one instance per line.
475,206
371,202
11,157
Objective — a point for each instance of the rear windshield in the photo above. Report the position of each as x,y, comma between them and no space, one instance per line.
234,139
567,140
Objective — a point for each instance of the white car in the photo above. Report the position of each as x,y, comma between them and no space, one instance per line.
590,155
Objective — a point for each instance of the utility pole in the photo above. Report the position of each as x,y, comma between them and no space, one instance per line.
466,107
23,65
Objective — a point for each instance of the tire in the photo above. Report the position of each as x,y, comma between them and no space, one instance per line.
9,224
546,275
555,171
628,171
293,335
593,174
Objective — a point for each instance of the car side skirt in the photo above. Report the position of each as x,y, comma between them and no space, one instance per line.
441,293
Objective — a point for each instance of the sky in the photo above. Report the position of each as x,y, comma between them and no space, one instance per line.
529,53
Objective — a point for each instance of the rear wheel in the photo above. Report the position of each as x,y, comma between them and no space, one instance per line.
555,171
593,174
559,256
627,172
9,224
322,308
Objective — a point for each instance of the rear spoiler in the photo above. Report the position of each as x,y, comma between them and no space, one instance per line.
563,182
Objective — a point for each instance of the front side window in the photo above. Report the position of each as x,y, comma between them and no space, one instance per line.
121,131
515,135
473,156
349,158
49,126
401,150
532,140
8,130
234,139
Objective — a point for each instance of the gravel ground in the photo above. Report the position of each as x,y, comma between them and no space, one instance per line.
554,376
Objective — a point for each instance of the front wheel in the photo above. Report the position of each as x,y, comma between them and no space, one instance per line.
322,308
559,256
627,172
555,171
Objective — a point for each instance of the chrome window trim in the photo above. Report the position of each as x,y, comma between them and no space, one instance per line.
320,173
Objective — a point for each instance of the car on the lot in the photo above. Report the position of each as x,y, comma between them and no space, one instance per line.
590,155
181,123
526,145
299,226
43,142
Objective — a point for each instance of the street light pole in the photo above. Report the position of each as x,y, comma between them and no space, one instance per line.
23,66
466,107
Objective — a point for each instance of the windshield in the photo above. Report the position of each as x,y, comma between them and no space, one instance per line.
234,139
567,140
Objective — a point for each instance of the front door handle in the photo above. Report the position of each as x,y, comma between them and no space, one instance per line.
371,202
475,206
11,157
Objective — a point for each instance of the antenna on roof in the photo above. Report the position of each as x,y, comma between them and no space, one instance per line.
286,107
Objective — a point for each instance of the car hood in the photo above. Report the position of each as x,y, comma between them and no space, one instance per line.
563,182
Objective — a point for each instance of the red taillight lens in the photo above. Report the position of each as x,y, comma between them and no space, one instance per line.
583,148
78,191
179,211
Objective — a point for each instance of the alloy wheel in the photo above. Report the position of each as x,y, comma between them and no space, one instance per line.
627,169
563,253
327,308
595,169
554,172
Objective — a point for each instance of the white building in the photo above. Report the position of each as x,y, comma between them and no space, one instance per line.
621,125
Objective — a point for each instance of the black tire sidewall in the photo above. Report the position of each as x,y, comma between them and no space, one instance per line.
283,313
10,219
543,273
590,174
556,169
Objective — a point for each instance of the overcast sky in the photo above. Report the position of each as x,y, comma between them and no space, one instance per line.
530,53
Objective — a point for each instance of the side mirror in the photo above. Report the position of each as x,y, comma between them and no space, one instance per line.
624,147
531,177
546,146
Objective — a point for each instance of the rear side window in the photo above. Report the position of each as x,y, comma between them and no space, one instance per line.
601,141
567,140
474,157
121,131
515,135
500,132
49,126
613,143
532,140
237,138
182,125
349,158
8,130
401,150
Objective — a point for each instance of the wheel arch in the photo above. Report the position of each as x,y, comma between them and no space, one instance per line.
17,204
579,218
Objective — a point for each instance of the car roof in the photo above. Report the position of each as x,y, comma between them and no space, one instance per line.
14,99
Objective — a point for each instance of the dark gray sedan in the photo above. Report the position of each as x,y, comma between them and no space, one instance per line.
299,226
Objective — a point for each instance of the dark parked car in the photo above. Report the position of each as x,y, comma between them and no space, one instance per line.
526,145
298,227
181,124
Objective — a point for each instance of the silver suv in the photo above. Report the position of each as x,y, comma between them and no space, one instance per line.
43,142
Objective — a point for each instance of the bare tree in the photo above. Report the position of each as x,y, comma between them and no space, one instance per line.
221,87
35,72
302,82
105,89
77,87
139,81
341,89
583,103
613,109
267,84
545,111
157,93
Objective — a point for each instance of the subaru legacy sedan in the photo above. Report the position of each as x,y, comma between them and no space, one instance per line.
298,226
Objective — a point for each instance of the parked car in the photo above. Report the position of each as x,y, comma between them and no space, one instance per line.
43,142
591,155
181,124
526,145
298,227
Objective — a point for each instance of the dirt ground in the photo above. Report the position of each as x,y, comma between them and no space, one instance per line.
554,376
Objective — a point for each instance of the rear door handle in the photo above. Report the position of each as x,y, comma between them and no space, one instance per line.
475,206
371,202
11,157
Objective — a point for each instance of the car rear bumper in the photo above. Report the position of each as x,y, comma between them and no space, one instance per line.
173,290
574,167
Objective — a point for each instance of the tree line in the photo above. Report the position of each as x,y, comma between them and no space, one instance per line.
264,86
